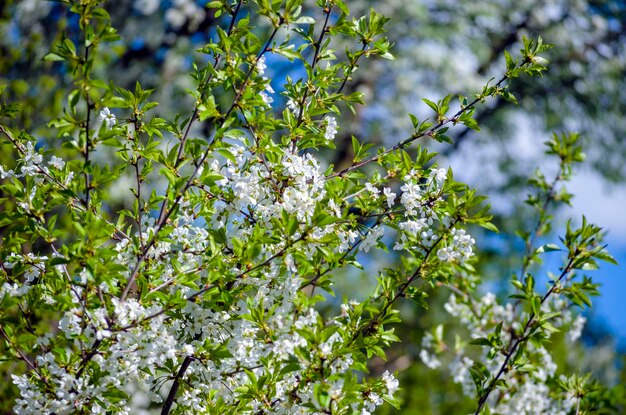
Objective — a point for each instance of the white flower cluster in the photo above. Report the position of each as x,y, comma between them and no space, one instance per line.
460,371
347,239
412,229
34,266
420,230
31,164
460,248
331,127
528,394
261,66
576,329
428,358
250,189
391,383
371,238
137,342
418,198
131,355
256,193
293,106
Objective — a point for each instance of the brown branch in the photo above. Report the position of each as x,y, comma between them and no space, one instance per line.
400,291
87,358
313,281
21,354
352,66
171,396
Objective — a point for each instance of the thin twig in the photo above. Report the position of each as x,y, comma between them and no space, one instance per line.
550,197
428,133
313,281
351,68
87,358
21,353
139,181
196,110
316,48
85,64
400,291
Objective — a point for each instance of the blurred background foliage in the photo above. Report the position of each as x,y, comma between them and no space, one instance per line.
441,47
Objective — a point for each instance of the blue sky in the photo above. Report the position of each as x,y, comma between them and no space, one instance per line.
605,205
611,306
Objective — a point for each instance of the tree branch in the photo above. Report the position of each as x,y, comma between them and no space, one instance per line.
522,338
429,132
171,396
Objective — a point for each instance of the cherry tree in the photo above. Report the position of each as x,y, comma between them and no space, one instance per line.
205,295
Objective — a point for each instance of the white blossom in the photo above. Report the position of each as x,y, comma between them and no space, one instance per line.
373,401
56,162
371,238
107,117
390,196
576,330
265,95
293,106
374,192
331,127
391,382
438,176
460,248
261,66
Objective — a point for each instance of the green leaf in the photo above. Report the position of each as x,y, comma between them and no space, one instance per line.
431,104
481,342
548,248
489,226
53,57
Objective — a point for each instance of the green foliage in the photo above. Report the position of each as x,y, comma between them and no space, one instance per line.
205,288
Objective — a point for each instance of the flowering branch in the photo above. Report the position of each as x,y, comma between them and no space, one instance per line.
86,69
520,340
165,212
196,110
